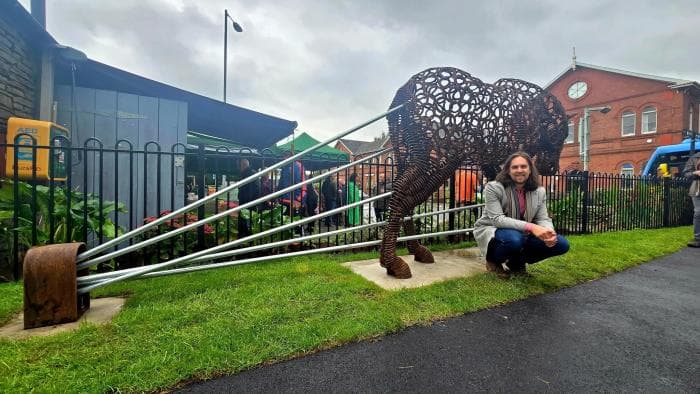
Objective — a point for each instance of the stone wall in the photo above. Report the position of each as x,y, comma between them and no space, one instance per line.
19,71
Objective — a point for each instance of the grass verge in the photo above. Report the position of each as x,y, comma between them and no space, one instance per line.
199,325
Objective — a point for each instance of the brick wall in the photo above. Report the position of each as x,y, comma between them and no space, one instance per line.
19,70
609,150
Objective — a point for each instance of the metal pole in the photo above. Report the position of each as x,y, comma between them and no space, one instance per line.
453,196
219,215
225,48
201,192
180,260
285,255
95,278
586,139
98,249
586,202
587,131
666,201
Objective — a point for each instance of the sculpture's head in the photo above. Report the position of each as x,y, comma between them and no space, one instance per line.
549,129
538,120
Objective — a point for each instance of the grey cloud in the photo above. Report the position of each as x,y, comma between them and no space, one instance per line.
332,64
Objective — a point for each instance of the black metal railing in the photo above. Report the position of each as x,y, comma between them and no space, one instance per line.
107,191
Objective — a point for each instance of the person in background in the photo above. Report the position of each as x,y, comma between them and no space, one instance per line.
342,199
292,175
310,206
246,194
692,172
515,227
381,206
329,193
265,190
354,195
663,171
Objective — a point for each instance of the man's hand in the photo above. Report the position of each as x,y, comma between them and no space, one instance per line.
547,235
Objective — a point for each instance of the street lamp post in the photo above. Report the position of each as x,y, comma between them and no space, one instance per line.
73,57
238,29
586,134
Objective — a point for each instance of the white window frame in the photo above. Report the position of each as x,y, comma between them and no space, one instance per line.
571,133
645,124
627,169
628,114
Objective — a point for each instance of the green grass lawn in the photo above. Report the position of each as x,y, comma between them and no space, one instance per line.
204,324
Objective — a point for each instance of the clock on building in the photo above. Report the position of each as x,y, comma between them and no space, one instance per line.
577,89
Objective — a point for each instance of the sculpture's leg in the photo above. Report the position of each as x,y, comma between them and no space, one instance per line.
400,203
420,252
388,259
422,187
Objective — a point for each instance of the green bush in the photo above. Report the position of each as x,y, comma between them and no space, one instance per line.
51,205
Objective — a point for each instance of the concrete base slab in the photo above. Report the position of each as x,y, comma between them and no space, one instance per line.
448,264
101,311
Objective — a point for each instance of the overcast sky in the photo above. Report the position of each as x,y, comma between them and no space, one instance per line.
330,65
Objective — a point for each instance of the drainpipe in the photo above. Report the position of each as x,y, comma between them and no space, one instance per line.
39,11
46,80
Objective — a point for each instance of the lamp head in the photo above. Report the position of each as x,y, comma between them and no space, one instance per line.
70,54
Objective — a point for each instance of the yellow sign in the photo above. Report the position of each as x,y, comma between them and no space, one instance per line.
35,136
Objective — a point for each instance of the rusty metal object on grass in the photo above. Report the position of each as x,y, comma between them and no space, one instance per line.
452,118
50,285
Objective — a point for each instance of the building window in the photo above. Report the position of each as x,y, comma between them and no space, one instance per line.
627,170
649,120
629,119
570,136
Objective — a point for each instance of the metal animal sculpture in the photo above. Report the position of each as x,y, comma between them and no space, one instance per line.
452,118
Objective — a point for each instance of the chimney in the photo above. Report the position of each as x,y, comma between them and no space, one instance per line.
39,11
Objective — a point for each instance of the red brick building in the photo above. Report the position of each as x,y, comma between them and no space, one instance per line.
371,172
643,112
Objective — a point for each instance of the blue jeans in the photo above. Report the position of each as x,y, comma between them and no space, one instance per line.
520,248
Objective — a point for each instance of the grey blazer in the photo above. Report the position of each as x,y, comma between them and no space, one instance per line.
501,209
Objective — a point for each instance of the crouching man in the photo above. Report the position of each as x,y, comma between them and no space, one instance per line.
515,227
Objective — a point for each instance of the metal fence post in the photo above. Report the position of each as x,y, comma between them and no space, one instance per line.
200,192
667,202
15,215
451,217
586,203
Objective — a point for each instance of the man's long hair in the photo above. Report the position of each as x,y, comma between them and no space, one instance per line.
533,181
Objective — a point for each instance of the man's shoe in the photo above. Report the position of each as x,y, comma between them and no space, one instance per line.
694,244
520,272
497,269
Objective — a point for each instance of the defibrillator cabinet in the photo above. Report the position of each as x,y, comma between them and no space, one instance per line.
50,160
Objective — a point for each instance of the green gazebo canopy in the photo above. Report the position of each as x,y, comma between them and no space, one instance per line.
322,157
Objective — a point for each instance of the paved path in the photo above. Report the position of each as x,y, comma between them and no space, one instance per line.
636,331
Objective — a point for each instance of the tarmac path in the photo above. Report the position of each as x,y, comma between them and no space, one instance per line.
635,331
